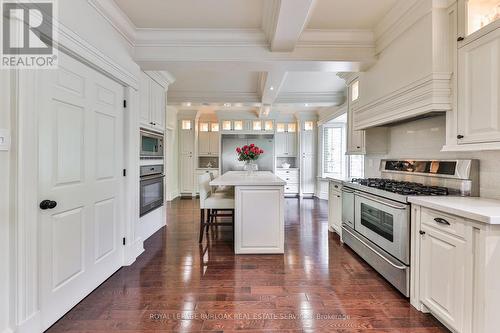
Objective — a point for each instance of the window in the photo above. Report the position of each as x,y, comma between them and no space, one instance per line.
214,127
355,91
280,127
292,128
334,148
186,124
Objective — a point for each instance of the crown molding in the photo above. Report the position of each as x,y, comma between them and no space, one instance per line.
398,20
348,77
163,78
333,98
338,37
110,11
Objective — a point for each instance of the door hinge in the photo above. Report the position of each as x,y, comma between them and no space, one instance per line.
124,172
124,241
124,103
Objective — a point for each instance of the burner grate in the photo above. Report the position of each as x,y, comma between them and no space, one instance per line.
401,187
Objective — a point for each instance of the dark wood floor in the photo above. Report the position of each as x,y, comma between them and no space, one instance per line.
177,285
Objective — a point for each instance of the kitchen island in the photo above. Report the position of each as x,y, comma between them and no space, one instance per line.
259,211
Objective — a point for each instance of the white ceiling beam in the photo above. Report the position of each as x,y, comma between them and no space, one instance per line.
289,22
270,85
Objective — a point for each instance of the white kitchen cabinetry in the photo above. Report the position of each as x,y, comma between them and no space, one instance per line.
186,153
335,206
152,101
355,139
208,140
442,279
291,176
308,157
478,109
286,140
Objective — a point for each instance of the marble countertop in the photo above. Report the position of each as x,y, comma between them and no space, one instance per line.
242,178
473,208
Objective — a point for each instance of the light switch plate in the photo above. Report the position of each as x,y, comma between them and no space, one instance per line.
4,139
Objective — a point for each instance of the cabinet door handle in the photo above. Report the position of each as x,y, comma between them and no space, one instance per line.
459,39
441,221
460,136
421,232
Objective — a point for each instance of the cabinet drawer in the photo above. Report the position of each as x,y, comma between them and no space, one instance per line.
450,224
287,173
292,188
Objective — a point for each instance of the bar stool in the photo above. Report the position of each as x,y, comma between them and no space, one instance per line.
213,203
221,189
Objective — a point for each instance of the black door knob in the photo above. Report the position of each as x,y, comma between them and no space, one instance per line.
460,136
48,204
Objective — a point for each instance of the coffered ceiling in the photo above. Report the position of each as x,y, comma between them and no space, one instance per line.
252,52
197,14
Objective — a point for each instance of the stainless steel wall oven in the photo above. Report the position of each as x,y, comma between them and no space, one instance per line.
152,185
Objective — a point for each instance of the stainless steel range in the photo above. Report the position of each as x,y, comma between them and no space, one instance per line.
376,213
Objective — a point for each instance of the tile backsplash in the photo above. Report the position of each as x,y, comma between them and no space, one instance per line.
424,138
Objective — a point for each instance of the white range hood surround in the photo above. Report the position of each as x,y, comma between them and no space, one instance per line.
413,76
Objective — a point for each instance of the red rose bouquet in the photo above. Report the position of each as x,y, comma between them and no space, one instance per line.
249,153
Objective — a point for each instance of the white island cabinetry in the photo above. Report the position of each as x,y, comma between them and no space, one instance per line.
259,211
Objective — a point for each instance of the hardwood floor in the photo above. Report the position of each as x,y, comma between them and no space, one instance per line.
178,285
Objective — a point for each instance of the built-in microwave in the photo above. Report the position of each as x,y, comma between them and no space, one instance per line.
151,145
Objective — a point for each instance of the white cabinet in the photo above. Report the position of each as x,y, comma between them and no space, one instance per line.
291,176
355,139
186,152
478,109
187,174
308,140
152,103
442,275
335,207
208,139
286,144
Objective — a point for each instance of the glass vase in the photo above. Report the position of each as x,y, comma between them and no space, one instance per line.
250,167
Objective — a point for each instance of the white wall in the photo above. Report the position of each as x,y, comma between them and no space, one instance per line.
5,202
424,139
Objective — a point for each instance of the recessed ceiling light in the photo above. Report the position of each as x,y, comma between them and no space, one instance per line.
227,105
238,105
187,104
271,88
307,104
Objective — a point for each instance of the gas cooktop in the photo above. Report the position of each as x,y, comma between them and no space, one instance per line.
402,187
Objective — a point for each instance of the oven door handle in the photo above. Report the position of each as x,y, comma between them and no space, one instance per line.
152,177
347,190
400,267
382,201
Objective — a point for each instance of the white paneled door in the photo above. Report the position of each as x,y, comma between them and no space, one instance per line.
80,169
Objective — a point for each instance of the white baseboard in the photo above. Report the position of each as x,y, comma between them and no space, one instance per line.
152,222
133,251
173,195
7,330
